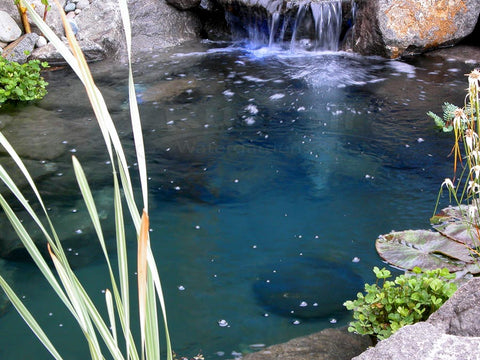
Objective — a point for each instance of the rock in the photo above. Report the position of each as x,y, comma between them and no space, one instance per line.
73,226
404,27
101,23
151,34
53,20
465,53
297,289
82,4
452,333
43,131
21,48
184,4
459,315
9,30
328,344
41,42
69,7
73,25
92,51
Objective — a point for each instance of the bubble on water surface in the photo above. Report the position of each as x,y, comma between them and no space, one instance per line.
222,323
249,120
252,109
277,96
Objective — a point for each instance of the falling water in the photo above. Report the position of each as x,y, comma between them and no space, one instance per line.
312,26
302,8
328,24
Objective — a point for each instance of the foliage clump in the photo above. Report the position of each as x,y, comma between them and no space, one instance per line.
21,82
408,299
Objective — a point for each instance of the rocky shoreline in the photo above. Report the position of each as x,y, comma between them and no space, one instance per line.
385,28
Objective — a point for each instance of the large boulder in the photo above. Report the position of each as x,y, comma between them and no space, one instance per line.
155,25
452,333
393,28
184,4
9,30
328,344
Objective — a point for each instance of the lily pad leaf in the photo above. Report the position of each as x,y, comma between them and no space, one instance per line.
461,232
450,214
423,248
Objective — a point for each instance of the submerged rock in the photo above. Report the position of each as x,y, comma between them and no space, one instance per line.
307,288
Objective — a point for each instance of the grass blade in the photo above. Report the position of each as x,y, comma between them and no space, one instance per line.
28,318
142,275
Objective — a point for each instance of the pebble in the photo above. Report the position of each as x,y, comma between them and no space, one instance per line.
74,26
69,7
41,42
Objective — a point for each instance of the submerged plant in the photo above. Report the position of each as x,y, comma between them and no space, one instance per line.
101,334
411,298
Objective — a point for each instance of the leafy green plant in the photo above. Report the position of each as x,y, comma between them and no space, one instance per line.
101,332
446,122
21,82
408,299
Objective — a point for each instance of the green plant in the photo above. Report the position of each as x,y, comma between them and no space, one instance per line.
101,331
21,82
410,298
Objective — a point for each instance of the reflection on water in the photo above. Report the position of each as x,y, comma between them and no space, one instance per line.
257,158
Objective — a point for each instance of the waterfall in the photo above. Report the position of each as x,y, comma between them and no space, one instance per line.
328,24
316,25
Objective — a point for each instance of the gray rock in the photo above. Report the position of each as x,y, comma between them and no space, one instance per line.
404,27
459,315
82,4
41,42
21,48
9,30
150,34
101,23
184,4
92,51
451,333
53,20
36,134
328,344
69,7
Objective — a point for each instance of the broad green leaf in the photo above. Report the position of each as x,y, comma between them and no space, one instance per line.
422,248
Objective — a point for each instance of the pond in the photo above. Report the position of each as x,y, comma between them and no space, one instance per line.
271,175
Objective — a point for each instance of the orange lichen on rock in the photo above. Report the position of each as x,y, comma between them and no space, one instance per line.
432,21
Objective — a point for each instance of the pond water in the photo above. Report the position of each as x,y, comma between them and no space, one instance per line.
264,165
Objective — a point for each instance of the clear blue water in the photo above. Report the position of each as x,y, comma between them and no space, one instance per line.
259,161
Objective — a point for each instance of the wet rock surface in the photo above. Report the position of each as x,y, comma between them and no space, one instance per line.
328,344
396,28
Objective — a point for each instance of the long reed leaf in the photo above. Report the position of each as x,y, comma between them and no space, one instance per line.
28,318
142,276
